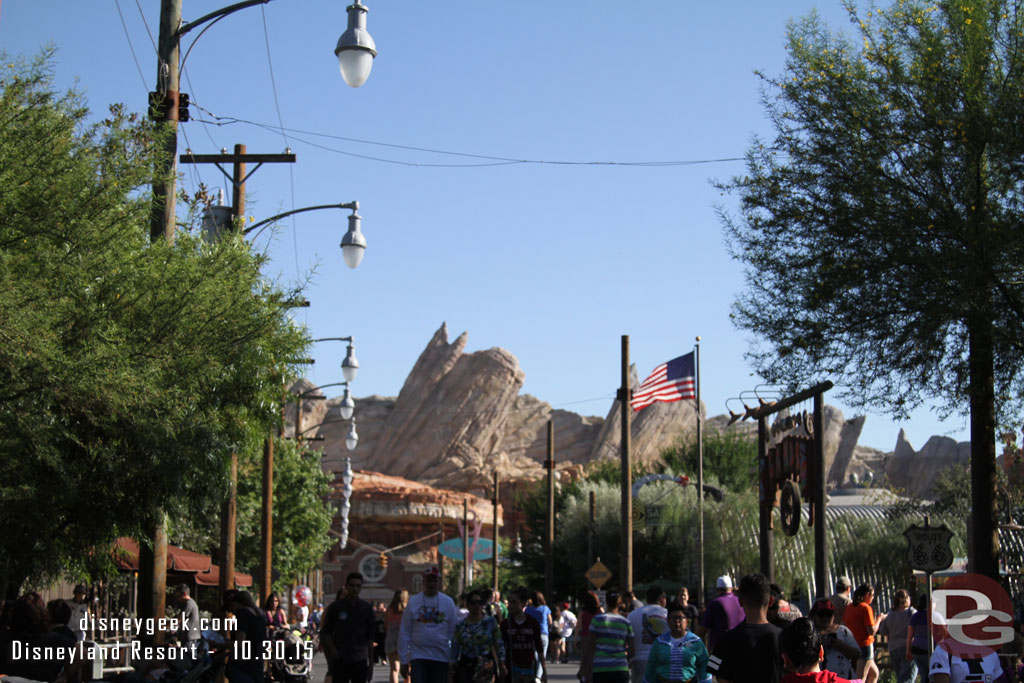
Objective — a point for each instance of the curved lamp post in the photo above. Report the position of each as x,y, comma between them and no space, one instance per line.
353,243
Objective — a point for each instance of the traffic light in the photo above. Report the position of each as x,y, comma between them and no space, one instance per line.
182,107
382,561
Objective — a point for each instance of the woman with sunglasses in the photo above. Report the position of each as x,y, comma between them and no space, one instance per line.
478,652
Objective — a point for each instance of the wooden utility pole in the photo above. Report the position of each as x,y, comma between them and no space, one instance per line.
549,537
238,176
494,534
626,548
267,515
591,523
164,109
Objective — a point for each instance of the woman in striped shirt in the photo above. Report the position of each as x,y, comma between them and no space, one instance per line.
608,646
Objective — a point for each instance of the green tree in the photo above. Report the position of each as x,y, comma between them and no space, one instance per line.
302,516
129,371
729,456
881,227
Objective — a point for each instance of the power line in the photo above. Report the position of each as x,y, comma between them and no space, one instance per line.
131,47
489,160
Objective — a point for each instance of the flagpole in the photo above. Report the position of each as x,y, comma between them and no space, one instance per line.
626,549
700,476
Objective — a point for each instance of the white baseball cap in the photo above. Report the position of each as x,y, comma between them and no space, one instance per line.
724,581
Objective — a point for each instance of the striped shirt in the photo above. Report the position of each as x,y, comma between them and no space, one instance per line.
612,632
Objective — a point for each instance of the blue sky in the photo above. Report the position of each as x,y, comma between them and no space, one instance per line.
552,261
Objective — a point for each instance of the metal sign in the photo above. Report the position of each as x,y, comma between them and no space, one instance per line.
598,574
928,547
453,548
653,516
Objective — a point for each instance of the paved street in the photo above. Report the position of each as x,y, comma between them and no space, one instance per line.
556,672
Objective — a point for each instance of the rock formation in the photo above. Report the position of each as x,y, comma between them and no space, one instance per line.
916,471
459,417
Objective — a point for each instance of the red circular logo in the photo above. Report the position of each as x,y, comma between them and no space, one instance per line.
978,616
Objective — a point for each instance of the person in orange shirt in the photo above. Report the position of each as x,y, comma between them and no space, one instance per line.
861,620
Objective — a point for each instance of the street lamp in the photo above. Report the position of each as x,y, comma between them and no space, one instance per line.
348,406
349,366
353,243
352,438
356,49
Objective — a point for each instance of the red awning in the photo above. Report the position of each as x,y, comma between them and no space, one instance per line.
211,577
126,556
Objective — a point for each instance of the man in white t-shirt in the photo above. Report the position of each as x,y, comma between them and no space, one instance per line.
425,637
648,622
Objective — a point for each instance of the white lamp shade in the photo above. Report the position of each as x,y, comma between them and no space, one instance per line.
352,438
348,406
350,366
355,66
353,244
356,49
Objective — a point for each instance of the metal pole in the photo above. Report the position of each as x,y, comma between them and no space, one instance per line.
549,537
494,534
465,545
626,548
818,503
700,478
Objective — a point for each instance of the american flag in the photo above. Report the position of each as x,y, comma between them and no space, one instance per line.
671,381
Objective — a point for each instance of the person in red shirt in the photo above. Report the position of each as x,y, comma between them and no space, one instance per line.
802,654
861,620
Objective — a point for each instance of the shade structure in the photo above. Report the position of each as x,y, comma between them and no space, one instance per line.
182,565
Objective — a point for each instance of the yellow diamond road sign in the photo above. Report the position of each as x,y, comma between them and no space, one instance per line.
598,574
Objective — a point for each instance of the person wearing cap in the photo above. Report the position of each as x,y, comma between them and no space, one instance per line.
79,611
678,655
724,613
347,634
425,636
841,599
839,645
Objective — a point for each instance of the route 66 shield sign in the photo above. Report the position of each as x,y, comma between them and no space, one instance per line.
928,547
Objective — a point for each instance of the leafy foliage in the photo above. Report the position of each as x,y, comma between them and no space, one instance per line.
881,226
129,371
729,456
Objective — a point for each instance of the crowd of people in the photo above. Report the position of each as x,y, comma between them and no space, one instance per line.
749,632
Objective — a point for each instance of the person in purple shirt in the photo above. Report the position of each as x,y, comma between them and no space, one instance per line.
723,613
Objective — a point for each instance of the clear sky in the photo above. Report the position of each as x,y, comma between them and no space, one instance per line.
552,261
